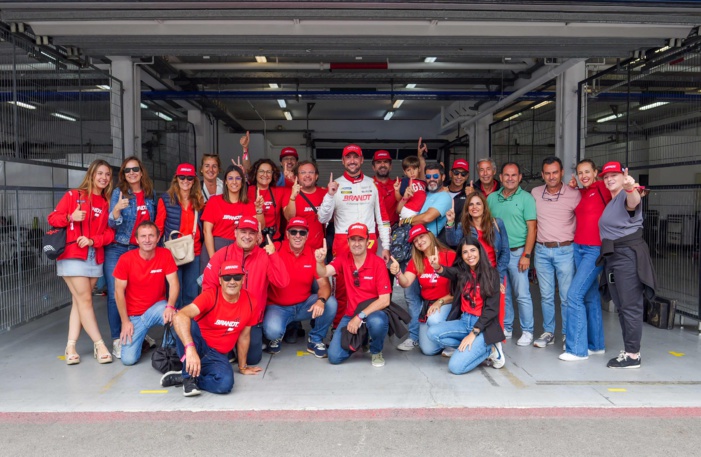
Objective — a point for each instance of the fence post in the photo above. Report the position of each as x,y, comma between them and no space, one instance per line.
20,286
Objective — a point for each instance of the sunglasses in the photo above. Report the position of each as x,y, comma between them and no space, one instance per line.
183,178
233,178
551,198
132,169
356,278
433,176
298,232
459,172
228,278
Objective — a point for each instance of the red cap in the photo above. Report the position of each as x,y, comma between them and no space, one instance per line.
358,229
185,169
248,222
416,231
352,149
382,155
461,163
289,152
230,267
298,222
611,167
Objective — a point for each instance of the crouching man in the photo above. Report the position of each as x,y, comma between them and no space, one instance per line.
208,329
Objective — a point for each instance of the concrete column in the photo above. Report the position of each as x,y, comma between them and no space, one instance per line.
203,132
566,120
479,143
123,69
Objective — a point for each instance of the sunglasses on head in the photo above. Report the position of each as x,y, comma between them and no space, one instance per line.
356,278
132,169
433,176
294,232
189,178
460,172
228,278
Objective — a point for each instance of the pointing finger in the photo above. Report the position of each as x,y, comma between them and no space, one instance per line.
472,183
324,243
269,240
436,251
330,177
625,172
295,180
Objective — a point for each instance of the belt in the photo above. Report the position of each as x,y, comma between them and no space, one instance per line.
555,244
517,248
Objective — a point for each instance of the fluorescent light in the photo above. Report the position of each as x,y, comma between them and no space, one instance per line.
609,118
397,104
430,59
288,115
103,87
23,105
651,105
47,55
144,106
63,116
163,116
389,115
282,103
274,86
659,50
541,104
512,117
261,59
411,86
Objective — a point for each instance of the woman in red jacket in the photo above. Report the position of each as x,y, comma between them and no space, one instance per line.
84,212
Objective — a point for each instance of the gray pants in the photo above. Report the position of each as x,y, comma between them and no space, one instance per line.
627,293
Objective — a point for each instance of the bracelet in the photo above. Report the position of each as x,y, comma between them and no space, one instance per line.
241,368
191,344
292,199
630,191
259,211
399,273
171,307
450,224
404,199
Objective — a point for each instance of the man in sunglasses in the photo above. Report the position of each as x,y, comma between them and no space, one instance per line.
208,328
366,281
458,188
554,251
307,297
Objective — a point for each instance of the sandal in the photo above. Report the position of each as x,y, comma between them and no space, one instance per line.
73,358
104,358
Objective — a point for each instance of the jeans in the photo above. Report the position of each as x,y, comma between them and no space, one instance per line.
549,263
278,317
518,282
187,276
377,323
152,317
255,349
451,334
427,345
414,303
216,374
585,328
112,254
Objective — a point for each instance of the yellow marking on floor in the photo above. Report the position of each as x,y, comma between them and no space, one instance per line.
109,385
61,357
677,354
617,389
516,382
302,353
153,392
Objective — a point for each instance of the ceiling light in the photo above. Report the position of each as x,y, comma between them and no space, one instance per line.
63,116
282,103
651,105
389,115
22,105
662,49
47,55
541,104
288,115
163,116
144,106
609,118
410,86
397,104
274,86
261,59
512,117
430,59
103,87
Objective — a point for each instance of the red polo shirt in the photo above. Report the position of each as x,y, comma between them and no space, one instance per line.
371,278
272,211
588,211
433,286
387,199
304,210
302,269
222,322
224,216
146,279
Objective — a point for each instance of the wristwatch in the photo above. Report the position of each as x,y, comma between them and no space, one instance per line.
528,256
322,300
475,331
362,315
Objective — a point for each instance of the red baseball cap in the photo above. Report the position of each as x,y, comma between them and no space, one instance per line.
230,267
185,169
416,231
611,167
358,229
248,222
298,222
352,149
382,155
289,152
461,163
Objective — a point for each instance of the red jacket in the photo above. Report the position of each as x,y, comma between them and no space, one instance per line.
94,226
261,270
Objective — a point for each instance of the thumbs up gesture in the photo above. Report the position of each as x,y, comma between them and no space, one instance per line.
121,203
320,254
332,187
245,141
573,182
394,266
78,215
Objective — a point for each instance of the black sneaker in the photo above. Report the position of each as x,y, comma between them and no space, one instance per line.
291,333
190,387
172,378
623,361
273,347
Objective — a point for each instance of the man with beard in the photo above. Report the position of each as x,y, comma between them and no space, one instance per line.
382,166
305,200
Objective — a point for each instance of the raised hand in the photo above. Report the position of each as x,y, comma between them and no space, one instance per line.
295,189
421,149
270,247
320,254
245,140
394,266
397,185
628,181
332,187
573,182
78,215
237,162
259,200
121,203
433,260
450,214
409,192
472,187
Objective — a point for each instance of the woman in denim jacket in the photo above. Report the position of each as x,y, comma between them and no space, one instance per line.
133,201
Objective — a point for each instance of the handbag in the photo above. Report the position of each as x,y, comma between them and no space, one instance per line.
165,358
53,242
183,247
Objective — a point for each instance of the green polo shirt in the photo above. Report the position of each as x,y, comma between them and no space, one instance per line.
514,211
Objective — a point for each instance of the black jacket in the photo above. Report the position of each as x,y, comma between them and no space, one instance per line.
645,269
396,315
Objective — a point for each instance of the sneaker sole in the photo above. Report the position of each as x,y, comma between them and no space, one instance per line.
406,349
527,343
574,360
311,351
625,368
168,374
194,393
378,365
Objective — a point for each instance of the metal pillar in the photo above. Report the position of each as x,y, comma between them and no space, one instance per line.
479,143
566,120
123,69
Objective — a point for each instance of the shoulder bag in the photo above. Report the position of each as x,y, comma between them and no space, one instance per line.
183,247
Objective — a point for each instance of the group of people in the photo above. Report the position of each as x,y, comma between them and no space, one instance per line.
272,248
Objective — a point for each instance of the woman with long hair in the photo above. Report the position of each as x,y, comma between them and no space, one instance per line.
262,181
435,290
585,327
222,213
84,212
477,334
178,210
133,201
211,184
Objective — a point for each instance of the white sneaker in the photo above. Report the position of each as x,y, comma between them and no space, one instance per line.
117,348
497,356
569,357
408,345
599,352
378,360
508,334
448,352
526,339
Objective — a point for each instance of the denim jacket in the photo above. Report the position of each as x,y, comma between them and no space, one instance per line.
501,242
124,225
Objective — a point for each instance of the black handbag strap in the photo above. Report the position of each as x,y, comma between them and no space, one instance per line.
309,201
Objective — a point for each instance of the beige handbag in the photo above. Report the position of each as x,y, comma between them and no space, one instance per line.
182,248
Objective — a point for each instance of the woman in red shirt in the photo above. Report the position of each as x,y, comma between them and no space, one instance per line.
178,211
84,212
585,328
435,290
477,334
262,181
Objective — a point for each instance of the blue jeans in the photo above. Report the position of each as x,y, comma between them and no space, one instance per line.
551,263
187,276
131,351
414,303
427,345
216,374
278,317
451,334
112,254
518,282
585,328
377,323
